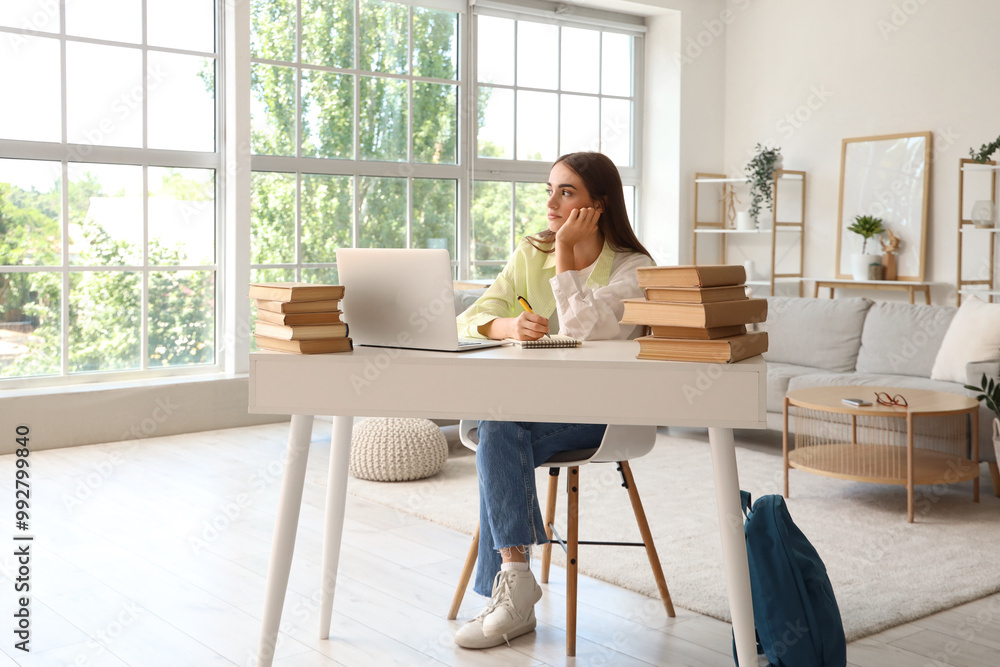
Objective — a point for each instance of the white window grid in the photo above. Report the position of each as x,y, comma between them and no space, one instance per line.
357,168
66,154
528,171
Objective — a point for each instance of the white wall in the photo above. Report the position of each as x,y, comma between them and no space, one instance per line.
853,68
683,113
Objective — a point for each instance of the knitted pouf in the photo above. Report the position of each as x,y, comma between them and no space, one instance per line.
389,449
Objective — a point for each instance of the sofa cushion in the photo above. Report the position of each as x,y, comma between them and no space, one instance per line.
778,377
822,333
902,338
974,335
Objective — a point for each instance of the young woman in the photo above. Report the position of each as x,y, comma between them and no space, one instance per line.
574,275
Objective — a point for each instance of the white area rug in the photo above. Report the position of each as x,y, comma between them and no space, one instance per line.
884,570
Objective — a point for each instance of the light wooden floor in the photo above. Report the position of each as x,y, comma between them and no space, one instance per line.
155,553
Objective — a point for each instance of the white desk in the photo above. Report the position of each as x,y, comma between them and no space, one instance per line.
496,384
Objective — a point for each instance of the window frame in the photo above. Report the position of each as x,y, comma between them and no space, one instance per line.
357,168
65,153
528,171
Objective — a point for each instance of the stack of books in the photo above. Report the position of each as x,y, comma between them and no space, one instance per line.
697,313
299,317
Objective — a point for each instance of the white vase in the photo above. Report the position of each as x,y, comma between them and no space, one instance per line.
859,265
743,221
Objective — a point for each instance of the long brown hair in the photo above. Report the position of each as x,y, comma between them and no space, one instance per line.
603,183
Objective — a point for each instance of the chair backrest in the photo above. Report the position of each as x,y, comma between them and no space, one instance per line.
620,443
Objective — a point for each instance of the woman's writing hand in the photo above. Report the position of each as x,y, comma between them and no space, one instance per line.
579,226
526,326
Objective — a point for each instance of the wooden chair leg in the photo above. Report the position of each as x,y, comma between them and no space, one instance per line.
463,581
647,538
572,537
550,516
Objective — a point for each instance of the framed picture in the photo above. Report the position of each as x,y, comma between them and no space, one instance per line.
887,177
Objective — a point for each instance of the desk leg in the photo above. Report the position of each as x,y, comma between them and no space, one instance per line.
734,546
336,502
285,525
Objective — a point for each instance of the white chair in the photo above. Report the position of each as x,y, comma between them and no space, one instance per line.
619,445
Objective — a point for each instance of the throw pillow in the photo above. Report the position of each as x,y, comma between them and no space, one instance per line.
974,335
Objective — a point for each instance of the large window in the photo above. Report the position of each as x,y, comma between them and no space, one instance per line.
545,87
108,164
373,123
355,132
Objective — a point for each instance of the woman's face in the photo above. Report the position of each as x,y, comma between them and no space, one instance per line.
566,192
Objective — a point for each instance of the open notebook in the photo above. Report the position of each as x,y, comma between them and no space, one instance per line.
550,341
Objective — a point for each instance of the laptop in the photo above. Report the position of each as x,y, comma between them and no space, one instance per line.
401,298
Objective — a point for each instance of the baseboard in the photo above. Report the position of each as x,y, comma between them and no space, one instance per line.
91,416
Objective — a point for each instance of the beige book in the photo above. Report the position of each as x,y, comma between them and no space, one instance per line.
719,314
300,331
705,275
720,351
321,346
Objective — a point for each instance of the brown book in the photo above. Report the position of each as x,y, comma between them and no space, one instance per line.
706,275
325,306
332,317
721,351
697,333
719,314
300,331
696,294
321,346
295,291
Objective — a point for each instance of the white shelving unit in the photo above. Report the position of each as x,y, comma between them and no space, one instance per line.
720,230
987,286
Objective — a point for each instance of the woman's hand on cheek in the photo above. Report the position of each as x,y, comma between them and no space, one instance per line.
579,226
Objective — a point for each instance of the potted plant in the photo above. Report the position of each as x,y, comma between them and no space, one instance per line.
985,152
991,395
866,226
760,176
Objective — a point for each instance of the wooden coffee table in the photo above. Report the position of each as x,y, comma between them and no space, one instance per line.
924,443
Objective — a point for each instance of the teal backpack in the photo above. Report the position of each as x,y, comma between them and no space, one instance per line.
795,612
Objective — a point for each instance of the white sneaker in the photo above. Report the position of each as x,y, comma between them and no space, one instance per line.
515,593
471,634
510,613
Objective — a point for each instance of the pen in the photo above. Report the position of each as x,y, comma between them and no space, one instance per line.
527,306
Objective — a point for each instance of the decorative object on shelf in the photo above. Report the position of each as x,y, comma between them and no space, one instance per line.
876,272
890,247
865,226
749,267
743,221
887,176
729,200
991,396
983,214
986,151
760,176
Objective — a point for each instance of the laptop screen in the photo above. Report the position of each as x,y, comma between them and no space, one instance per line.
398,297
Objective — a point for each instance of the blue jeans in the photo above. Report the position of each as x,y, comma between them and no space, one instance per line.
509,515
